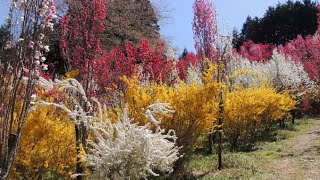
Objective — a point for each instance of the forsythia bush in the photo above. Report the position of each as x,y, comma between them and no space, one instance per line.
250,110
47,148
195,107
247,110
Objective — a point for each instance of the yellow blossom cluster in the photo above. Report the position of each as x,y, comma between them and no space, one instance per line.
195,106
249,110
47,146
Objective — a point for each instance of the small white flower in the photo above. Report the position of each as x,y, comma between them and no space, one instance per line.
37,55
44,67
43,59
37,62
33,99
46,48
33,96
41,36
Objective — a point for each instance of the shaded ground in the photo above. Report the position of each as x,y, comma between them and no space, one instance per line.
294,156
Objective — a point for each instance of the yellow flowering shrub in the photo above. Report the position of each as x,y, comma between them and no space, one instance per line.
195,106
47,146
249,110
246,110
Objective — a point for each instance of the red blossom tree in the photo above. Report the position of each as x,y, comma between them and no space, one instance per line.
153,63
204,28
256,52
110,67
150,63
306,51
183,64
80,45
80,40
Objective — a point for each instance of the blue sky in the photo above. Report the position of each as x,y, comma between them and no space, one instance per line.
231,13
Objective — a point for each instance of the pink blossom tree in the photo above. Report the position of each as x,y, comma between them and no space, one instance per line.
204,27
307,52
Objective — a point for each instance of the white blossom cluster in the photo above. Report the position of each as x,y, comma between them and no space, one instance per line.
279,71
72,88
126,150
194,75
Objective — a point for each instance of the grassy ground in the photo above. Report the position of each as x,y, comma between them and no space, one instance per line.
295,154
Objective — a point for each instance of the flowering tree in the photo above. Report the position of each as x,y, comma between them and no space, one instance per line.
146,62
204,28
80,45
183,65
80,41
307,52
153,63
27,22
279,71
256,52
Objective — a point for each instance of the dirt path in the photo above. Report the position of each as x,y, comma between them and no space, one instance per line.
300,157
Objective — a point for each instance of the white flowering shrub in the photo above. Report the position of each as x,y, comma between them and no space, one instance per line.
127,150
72,89
279,71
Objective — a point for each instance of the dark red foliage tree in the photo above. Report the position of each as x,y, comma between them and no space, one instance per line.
149,63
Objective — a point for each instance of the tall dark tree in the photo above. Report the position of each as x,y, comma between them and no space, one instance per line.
280,24
7,48
57,65
4,34
130,20
184,53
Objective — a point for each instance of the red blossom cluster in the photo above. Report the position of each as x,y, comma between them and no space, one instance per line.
151,64
80,44
80,41
306,51
182,65
256,52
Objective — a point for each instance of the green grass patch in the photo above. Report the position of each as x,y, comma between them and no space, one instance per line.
246,165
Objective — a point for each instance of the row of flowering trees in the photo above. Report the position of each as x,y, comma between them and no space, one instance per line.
303,52
155,109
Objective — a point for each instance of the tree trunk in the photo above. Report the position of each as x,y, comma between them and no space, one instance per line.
293,116
79,168
210,149
12,149
220,121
